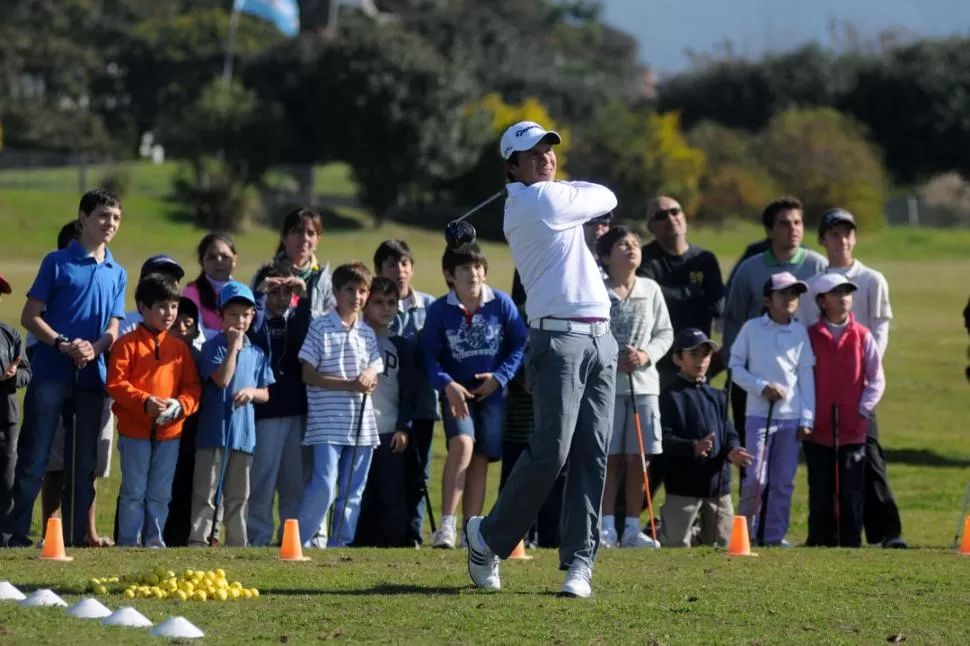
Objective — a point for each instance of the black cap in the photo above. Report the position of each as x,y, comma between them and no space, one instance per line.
606,218
691,338
163,263
833,217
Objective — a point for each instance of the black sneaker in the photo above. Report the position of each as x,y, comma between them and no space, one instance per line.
895,543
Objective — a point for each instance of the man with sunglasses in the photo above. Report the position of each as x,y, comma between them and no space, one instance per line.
689,276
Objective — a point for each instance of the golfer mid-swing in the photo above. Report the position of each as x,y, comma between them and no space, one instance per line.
570,362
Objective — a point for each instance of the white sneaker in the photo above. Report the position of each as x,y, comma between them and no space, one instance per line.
444,538
633,537
608,537
482,562
577,583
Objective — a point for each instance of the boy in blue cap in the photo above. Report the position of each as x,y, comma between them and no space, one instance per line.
700,444
236,375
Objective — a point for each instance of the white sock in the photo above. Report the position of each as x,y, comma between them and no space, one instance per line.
448,521
632,522
609,522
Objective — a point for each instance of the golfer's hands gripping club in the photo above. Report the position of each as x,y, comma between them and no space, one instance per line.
633,358
702,447
155,406
458,397
773,392
366,382
740,457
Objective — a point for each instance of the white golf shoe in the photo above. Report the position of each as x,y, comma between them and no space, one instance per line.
577,583
608,537
633,537
483,564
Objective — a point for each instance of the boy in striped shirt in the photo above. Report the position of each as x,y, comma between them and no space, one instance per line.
341,360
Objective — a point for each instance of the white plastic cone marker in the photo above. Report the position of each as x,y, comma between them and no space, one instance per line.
88,609
128,617
177,627
44,597
10,593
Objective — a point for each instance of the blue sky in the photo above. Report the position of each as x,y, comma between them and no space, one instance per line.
664,28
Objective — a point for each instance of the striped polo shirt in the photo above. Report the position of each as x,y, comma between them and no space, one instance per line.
335,349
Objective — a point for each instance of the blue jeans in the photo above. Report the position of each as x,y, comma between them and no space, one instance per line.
146,489
277,467
47,399
329,461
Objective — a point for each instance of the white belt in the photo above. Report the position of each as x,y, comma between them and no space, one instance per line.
576,327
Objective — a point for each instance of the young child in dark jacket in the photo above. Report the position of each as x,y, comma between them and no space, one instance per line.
700,444
14,374
279,329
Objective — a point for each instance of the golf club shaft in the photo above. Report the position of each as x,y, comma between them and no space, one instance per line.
217,500
760,504
73,453
963,514
720,473
838,467
423,486
643,459
350,471
481,205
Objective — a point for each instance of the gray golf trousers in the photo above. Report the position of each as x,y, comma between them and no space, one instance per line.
572,377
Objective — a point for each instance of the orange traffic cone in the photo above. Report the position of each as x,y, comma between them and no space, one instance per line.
54,542
965,541
291,549
519,553
740,544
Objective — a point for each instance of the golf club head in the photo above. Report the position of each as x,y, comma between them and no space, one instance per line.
459,234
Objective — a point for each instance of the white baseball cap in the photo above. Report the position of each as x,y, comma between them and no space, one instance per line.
523,136
825,283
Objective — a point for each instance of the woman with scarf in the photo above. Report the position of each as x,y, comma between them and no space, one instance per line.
299,237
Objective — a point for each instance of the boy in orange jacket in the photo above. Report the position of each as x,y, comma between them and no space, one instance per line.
849,382
154,383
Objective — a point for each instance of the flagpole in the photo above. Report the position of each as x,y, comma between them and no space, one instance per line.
231,44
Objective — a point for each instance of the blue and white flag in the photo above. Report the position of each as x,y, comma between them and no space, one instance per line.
284,14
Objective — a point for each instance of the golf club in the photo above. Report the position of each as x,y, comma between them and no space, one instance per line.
643,460
459,233
838,467
963,514
73,431
345,492
720,473
761,504
423,485
213,541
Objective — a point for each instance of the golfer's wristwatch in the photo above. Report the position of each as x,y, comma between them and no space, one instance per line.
60,340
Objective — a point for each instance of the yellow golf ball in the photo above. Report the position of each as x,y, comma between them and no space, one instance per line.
221,573
187,574
221,595
129,594
234,593
254,592
199,596
101,590
246,594
152,579
180,595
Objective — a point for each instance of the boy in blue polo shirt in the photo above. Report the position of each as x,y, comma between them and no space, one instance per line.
73,309
472,346
236,375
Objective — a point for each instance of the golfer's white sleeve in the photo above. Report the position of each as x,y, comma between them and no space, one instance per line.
563,205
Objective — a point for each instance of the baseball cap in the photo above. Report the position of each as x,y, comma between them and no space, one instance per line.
523,136
827,282
161,262
4,286
606,218
690,338
833,217
233,290
784,280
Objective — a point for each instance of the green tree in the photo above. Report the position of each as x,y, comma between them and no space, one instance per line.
825,159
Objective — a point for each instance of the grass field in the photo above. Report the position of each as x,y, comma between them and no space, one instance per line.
782,597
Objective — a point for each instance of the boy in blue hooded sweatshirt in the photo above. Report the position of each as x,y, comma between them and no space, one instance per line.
279,329
472,345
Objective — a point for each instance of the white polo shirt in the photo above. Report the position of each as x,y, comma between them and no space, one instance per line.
335,349
543,225
870,303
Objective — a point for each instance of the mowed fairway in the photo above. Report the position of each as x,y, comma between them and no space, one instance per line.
864,596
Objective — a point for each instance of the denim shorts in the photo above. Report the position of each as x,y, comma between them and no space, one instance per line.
483,424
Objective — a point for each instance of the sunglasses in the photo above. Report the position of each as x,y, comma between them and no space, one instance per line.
663,214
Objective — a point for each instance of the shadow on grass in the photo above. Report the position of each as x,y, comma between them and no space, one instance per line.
387,589
923,458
